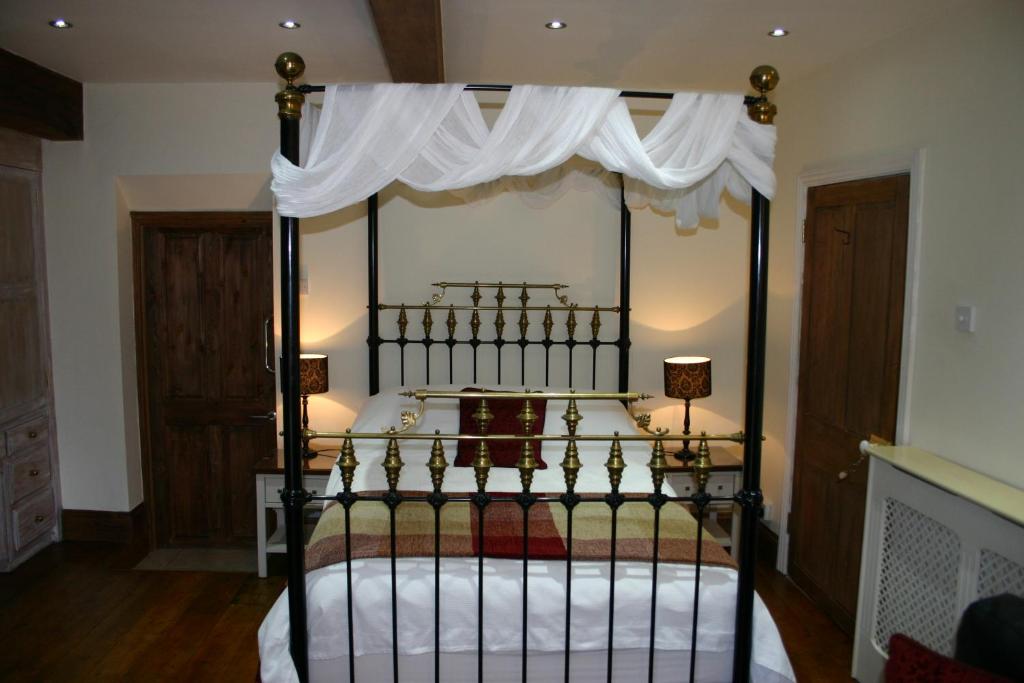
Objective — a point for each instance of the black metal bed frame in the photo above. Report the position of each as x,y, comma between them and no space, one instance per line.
295,497
499,340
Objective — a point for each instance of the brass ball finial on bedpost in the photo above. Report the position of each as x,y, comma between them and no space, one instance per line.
764,79
289,66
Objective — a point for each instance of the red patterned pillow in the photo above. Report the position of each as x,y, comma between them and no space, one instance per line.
503,453
911,662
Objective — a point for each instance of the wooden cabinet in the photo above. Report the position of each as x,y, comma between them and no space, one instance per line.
29,492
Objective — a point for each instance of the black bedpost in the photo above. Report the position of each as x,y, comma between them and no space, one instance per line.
750,498
373,338
764,78
290,66
625,228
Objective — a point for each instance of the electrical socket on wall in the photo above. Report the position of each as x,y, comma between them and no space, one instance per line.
965,318
766,512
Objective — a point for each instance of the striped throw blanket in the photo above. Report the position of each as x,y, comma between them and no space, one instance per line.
503,533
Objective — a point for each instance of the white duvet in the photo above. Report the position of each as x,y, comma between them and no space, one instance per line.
327,595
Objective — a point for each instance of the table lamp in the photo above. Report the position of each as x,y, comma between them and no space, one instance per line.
687,377
312,380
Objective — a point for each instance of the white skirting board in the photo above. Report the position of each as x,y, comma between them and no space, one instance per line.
927,555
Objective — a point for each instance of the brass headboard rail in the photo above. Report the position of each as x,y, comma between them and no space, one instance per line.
511,299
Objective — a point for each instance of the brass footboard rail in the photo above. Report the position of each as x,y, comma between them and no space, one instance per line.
482,499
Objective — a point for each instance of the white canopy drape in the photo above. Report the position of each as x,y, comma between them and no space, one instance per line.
434,137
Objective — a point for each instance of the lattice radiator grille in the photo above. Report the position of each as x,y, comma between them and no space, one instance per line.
917,582
998,574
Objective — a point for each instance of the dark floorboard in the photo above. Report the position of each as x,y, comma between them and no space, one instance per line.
77,612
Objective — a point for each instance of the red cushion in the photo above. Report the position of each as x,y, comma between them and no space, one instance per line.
503,453
911,662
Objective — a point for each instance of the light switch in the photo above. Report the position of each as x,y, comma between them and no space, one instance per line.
303,280
965,318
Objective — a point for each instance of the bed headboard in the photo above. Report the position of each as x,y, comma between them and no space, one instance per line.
511,318
519,315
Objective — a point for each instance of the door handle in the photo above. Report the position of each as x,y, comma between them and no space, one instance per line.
873,439
272,415
268,361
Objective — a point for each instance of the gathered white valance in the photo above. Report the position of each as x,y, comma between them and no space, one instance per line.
434,138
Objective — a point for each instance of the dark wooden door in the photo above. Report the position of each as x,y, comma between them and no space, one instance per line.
207,369
852,326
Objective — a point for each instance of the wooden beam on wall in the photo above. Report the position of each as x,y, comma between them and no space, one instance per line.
38,101
410,32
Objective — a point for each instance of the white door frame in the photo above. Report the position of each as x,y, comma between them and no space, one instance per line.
912,162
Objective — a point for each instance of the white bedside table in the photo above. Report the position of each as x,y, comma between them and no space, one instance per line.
269,482
725,480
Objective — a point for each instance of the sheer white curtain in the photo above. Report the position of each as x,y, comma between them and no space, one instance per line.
434,138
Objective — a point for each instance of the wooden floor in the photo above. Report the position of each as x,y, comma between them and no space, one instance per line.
78,612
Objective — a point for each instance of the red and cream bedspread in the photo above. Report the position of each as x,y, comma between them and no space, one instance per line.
503,532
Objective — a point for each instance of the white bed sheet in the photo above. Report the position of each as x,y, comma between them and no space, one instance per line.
327,594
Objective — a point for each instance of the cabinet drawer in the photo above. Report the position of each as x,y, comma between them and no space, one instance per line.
27,434
274,483
28,472
719,484
33,517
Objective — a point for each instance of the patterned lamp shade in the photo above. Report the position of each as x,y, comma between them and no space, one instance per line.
687,377
312,373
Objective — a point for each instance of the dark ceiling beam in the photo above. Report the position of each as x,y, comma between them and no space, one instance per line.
410,32
38,101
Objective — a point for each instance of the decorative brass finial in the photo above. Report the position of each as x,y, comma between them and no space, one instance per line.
289,66
527,463
658,464
437,463
524,323
499,323
392,463
403,321
615,464
571,465
482,462
702,464
428,321
595,323
549,323
570,322
451,322
572,417
347,462
474,323
764,79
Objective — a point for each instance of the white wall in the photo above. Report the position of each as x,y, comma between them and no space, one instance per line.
199,147
953,90
130,130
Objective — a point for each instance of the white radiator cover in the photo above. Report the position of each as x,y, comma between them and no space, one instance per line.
927,555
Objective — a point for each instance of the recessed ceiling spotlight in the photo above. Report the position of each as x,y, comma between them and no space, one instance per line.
289,24
60,23
778,32
556,24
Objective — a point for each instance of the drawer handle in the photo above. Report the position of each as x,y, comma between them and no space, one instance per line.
33,473
33,434
40,518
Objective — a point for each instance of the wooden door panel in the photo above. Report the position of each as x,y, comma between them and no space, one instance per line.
182,320
869,315
207,282
851,332
186,453
812,489
244,375
243,446
827,338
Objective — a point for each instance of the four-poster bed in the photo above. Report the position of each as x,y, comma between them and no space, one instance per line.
629,483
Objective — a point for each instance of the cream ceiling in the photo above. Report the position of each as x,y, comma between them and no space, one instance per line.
640,43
